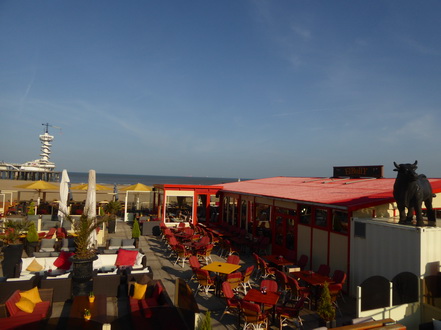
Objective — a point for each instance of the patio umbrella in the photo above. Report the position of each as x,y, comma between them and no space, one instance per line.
138,187
64,194
85,186
90,206
39,186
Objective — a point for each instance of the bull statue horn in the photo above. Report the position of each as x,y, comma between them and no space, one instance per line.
396,165
414,165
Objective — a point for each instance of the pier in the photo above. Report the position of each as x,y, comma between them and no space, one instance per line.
49,176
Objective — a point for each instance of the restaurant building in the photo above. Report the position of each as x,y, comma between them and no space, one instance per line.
314,216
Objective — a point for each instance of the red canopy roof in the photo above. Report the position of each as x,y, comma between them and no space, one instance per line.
351,194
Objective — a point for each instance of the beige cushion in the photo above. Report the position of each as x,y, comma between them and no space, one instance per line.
34,266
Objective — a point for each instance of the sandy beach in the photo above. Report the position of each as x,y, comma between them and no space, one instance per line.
10,186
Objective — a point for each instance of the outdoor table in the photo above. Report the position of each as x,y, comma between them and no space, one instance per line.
268,298
313,279
220,268
98,311
278,260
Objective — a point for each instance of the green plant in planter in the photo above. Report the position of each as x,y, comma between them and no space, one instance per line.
83,228
112,209
205,322
31,210
325,308
136,232
32,235
13,230
31,240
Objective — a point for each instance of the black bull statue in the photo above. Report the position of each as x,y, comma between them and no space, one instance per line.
410,191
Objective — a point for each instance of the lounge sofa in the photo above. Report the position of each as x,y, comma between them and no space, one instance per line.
104,263
154,310
17,317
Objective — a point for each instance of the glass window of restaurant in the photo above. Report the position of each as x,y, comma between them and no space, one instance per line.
321,218
285,227
340,221
243,214
202,208
214,209
230,210
179,207
263,216
305,214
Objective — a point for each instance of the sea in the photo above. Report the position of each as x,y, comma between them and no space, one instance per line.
128,179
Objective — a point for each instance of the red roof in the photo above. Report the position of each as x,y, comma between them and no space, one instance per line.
351,194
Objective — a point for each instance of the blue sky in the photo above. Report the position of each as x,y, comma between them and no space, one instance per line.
230,88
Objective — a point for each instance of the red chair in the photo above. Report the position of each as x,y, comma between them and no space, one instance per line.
339,277
232,302
233,259
205,281
194,265
235,280
246,279
285,313
253,315
298,292
282,281
267,271
324,270
205,253
50,233
303,261
182,254
270,285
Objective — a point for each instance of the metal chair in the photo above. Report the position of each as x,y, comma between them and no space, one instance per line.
285,313
205,281
232,303
253,316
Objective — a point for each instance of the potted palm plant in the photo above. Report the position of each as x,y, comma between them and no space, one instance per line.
31,240
13,231
112,209
85,252
325,309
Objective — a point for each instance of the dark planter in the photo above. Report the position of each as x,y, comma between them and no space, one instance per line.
328,324
111,226
136,242
11,260
82,273
31,247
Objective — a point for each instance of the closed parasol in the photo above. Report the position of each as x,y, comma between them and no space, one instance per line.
90,206
64,194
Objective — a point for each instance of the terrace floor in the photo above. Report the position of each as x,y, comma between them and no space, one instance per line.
163,269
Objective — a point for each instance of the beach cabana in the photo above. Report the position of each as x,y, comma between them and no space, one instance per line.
186,203
136,189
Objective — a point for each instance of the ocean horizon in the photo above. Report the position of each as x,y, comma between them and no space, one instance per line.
128,179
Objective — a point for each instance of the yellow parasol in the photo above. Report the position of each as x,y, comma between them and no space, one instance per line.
39,186
84,186
137,187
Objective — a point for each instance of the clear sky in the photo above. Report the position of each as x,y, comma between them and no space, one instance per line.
229,88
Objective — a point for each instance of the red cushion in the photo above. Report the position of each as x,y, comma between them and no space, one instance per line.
63,261
10,303
126,257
